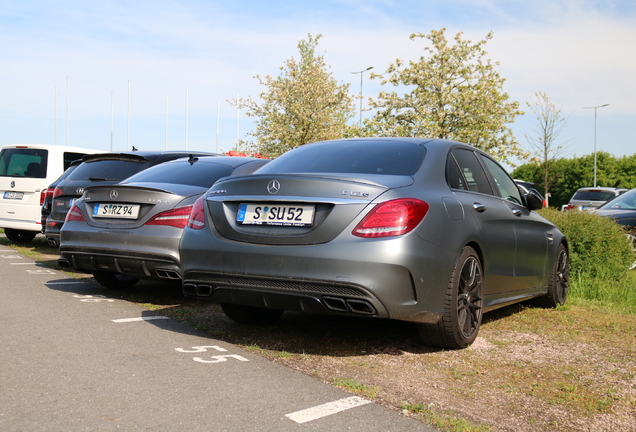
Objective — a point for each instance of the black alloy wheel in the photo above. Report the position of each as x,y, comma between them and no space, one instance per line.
464,301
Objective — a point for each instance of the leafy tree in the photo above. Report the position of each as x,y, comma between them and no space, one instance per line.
550,123
304,104
453,92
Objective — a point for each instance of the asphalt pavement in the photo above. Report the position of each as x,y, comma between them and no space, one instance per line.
74,358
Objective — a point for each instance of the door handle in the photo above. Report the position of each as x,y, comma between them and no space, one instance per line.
517,212
479,207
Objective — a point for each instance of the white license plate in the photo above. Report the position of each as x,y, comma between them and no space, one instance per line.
121,211
274,214
13,195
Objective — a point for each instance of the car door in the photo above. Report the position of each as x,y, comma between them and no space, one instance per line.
472,187
530,230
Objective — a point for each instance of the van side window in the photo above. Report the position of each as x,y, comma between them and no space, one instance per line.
70,157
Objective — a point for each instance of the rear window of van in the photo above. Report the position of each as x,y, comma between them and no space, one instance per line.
23,162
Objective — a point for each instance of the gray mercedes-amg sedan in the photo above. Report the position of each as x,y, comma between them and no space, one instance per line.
129,231
434,232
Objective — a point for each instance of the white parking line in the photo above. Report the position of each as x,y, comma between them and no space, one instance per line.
149,318
29,263
327,409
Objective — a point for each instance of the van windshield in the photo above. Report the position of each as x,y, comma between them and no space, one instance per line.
23,162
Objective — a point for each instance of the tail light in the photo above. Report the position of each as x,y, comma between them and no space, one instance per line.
177,218
74,214
57,192
392,218
45,192
197,215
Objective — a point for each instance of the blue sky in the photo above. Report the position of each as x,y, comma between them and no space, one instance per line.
192,56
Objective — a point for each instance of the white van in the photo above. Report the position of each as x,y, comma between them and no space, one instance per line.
26,170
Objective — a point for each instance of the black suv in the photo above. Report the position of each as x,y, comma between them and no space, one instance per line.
103,169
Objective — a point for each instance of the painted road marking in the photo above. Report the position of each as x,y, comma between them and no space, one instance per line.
327,409
149,318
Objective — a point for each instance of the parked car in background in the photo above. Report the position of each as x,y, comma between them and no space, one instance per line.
621,208
130,231
46,197
105,169
433,232
25,171
589,198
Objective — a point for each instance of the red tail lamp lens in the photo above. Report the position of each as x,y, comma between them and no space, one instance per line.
177,218
392,218
197,215
74,214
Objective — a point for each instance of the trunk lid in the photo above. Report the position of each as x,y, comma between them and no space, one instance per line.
335,200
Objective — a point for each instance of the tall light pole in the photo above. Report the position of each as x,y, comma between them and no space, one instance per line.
361,74
595,108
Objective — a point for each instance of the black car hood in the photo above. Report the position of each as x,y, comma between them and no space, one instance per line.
622,217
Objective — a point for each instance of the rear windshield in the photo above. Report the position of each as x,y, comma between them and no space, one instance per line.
107,170
23,162
197,174
354,157
593,195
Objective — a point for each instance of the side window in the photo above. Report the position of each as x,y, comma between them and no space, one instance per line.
505,185
70,157
454,176
473,172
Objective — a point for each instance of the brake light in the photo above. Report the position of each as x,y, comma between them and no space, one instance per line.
392,218
197,215
44,193
57,192
177,218
74,214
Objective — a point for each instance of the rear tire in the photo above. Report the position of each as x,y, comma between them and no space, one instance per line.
559,281
114,281
463,305
251,314
19,236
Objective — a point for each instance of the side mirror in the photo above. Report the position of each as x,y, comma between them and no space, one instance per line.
534,200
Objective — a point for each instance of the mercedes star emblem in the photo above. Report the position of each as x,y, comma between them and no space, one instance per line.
114,194
273,186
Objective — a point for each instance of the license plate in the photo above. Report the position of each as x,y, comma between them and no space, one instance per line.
280,215
13,195
121,211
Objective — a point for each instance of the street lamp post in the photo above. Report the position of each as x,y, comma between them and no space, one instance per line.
361,73
595,108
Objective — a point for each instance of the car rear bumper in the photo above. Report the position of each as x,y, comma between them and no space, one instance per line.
348,275
148,253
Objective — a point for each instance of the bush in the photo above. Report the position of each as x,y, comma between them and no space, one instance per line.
598,245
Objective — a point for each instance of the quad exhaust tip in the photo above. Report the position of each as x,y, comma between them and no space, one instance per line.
357,306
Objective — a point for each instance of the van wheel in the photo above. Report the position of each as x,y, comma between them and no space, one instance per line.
19,236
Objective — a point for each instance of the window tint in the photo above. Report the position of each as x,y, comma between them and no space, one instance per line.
23,162
197,174
69,157
594,195
505,185
114,170
472,171
354,157
454,176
